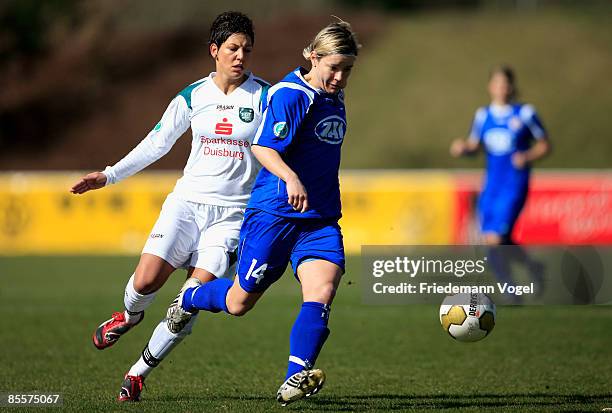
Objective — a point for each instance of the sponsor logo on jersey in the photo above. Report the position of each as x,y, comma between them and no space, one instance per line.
157,127
223,128
331,129
225,141
224,153
515,123
280,129
246,114
225,107
498,141
157,235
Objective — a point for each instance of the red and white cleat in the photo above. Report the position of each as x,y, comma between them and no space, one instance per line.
131,388
109,331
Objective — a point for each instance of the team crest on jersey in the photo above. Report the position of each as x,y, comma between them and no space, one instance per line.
246,114
280,129
331,129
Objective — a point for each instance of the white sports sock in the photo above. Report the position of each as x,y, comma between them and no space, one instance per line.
135,302
161,343
140,368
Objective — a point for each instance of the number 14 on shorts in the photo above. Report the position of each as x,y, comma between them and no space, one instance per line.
256,273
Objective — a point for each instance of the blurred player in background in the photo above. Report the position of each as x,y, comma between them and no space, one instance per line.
294,208
199,224
513,137
506,130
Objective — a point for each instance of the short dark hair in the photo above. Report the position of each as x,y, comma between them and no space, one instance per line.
508,72
228,23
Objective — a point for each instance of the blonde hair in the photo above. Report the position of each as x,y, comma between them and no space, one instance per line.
335,38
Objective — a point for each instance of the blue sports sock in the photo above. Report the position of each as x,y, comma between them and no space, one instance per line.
209,296
499,261
308,334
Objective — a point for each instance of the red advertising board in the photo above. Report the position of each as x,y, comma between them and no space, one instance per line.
562,208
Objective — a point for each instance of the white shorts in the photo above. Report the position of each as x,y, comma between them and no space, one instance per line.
189,234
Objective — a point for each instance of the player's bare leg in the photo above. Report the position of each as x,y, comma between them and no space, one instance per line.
319,279
238,301
151,273
492,238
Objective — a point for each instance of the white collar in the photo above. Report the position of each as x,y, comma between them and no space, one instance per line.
298,73
500,111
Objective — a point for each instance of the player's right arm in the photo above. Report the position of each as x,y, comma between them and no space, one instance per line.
94,180
281,121
463,147
174,122
270,159
471,145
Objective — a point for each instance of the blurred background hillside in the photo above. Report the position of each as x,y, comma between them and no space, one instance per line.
83,81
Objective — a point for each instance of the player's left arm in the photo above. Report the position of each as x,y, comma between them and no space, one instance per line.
541,147
472,144
538,150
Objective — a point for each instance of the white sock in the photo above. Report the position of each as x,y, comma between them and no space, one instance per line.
161,343
135,303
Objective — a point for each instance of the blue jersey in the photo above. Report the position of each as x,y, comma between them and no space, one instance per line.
306,126
502,131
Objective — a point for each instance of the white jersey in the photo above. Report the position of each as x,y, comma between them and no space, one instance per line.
221,167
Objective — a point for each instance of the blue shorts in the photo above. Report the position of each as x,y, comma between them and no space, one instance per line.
499,212
268,242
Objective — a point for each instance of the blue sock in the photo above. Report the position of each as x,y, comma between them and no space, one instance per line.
499,261
209,296
308,334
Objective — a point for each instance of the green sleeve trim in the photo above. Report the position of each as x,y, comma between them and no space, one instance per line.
261,82
186,93
263,98
264,92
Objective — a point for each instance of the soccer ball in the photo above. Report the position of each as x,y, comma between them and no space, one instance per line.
467,317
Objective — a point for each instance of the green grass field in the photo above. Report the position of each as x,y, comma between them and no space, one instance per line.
377,358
